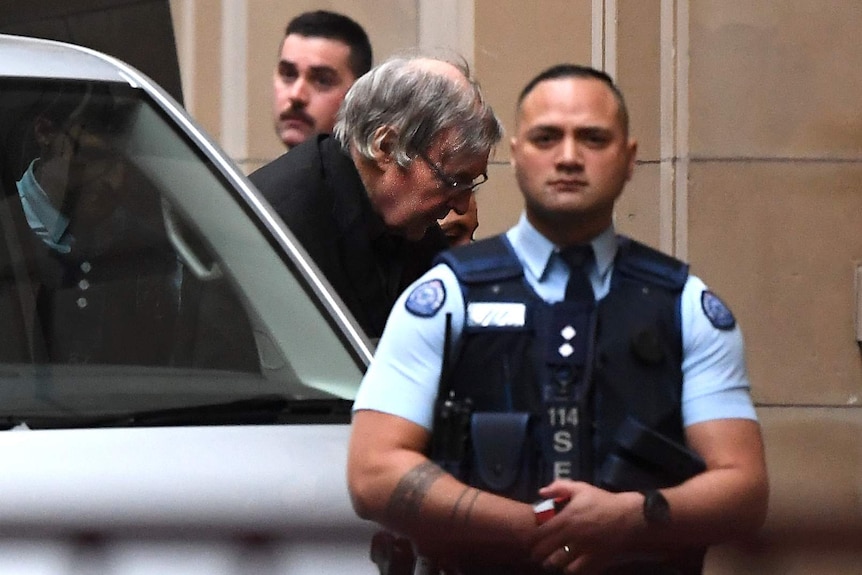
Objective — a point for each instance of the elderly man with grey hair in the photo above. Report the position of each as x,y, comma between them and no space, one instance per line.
411,143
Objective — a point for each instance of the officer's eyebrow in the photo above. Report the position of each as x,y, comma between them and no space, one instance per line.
594,131
323,70
543,132
318,70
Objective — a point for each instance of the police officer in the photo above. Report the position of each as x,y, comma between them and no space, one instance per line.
561,362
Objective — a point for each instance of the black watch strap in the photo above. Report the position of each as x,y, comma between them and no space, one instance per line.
655,509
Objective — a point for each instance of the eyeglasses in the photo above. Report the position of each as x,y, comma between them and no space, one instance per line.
453,185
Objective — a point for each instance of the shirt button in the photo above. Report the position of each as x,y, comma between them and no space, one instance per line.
83,284
82,302
86,267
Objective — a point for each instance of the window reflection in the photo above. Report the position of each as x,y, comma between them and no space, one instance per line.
88,271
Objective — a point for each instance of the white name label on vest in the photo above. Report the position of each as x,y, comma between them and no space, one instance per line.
496,314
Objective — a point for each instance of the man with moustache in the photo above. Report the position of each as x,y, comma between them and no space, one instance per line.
321,55
411,143
565,363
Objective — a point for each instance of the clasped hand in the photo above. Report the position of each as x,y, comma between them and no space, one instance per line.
593,528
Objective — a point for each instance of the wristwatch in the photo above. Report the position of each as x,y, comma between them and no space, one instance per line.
656,509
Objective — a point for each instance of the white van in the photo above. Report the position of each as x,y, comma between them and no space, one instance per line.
175,375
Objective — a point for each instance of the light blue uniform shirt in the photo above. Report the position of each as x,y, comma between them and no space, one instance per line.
404,375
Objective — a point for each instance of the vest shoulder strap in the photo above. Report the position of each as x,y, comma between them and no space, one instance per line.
641,262
486,260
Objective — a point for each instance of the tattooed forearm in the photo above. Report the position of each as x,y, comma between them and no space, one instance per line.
458,504
469,494
476,493
406,500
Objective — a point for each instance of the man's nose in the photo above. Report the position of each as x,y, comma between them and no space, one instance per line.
298,91
460,202
570,152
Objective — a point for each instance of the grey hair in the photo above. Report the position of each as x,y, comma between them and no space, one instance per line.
418,104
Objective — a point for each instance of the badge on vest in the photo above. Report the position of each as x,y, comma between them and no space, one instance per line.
496,314
426,299
718,314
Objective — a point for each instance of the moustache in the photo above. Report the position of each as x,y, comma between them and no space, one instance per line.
299,115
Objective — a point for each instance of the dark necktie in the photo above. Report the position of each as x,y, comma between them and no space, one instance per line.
578,258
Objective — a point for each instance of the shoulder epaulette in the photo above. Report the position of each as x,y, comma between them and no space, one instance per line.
640,261
487,260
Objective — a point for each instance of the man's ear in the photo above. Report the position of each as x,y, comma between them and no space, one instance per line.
383,143
632,149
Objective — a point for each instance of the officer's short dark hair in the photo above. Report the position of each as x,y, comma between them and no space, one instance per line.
578,71
334,26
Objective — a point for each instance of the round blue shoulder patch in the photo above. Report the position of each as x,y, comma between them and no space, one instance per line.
426,299
718,314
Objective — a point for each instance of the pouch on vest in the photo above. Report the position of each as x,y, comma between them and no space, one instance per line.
500,451
644,459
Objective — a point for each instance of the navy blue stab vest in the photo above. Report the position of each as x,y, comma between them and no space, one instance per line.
632,372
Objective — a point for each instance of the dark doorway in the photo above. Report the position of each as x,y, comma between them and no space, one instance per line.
139,32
